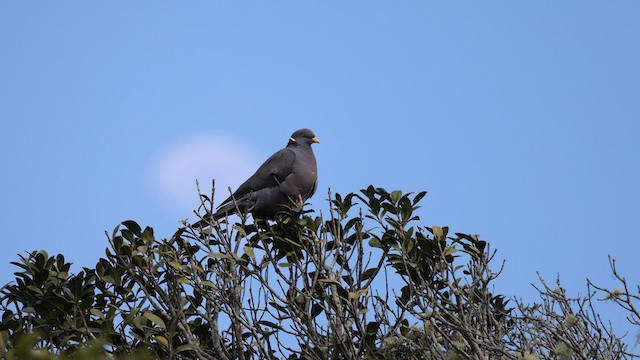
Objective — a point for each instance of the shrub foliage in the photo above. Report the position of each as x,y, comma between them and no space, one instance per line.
367,282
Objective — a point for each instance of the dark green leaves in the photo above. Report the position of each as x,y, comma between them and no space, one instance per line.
367,281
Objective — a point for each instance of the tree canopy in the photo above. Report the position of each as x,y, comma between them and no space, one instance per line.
366,281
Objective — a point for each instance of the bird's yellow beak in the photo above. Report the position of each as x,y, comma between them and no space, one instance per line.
315,140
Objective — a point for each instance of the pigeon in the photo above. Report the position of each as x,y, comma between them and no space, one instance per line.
285,181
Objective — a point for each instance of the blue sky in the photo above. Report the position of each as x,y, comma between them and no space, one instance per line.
521,119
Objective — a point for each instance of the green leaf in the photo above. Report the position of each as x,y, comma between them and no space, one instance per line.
35,289
372,327
115,232
375,243
316,309
329,281
395,196
162,340
155,319
97,313
209,284
133,227
419,197
369,273
407,245
29,310
217,255
249,251
186,347
137,322
269,324
109,279
147,234
449,250
437,232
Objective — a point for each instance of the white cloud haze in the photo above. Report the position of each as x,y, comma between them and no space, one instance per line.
204,157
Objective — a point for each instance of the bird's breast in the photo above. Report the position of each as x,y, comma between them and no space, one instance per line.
303,178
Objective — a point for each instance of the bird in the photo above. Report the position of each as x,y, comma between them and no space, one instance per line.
285,181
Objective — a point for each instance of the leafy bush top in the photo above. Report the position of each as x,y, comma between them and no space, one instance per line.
366,283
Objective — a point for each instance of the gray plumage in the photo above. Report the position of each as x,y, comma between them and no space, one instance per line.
286,180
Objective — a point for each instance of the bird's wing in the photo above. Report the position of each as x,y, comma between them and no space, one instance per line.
270,174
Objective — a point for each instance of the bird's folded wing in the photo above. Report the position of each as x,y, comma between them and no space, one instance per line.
269,175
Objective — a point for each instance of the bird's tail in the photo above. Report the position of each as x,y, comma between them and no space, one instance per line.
232,207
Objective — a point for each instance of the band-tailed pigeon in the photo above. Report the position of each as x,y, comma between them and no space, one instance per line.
287,179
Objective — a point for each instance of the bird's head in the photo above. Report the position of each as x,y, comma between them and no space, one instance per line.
303,137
